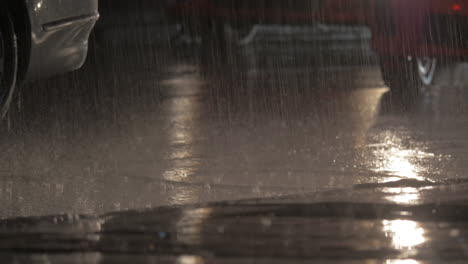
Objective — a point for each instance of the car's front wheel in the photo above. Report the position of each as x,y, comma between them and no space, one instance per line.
8,59
408,76
426,69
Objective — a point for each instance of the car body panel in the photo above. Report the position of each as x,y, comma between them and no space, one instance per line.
60,31
410,19
413,36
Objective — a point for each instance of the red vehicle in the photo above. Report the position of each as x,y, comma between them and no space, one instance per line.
409,36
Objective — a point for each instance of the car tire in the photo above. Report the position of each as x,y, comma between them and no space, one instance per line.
8,59
408,76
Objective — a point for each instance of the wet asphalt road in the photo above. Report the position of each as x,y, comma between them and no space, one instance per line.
147,125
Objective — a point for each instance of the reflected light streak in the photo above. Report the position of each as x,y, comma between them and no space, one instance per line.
190,260
402,195
398,162
182,112
190,226
405,234
402,261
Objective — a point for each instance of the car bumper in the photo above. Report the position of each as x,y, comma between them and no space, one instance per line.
60,31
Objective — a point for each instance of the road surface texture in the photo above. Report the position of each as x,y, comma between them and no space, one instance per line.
150,122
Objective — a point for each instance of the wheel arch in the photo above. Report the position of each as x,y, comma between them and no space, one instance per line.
19,12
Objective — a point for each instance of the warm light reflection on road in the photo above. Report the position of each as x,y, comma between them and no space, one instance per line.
396,162
190,260
392,160
400,162
190,226
182,111
402,261
402,195
405,234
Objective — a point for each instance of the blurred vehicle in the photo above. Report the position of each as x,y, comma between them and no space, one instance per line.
208,18
41,38
408,36
411,36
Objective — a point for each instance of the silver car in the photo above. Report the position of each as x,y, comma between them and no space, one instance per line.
40,38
